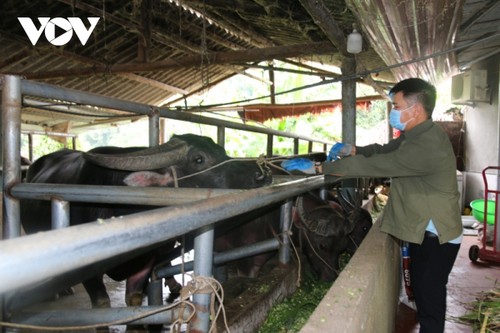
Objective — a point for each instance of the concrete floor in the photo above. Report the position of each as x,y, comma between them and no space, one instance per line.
467,280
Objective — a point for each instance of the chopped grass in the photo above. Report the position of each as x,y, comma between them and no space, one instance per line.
485,314
290,315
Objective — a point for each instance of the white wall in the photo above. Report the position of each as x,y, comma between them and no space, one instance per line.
482,137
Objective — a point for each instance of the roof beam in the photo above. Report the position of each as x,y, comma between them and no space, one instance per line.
214,58
153,83
323,19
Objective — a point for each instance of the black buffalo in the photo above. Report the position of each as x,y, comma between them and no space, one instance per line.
326,230
178,161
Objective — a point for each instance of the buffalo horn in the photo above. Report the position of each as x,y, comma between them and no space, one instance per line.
320,226
157,157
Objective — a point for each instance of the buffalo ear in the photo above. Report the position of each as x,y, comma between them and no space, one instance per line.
148,178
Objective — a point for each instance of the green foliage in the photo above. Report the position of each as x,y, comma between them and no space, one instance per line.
42,145
485,313
371,117
291,314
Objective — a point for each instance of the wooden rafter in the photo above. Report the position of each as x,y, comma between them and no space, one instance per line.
216,58
323,19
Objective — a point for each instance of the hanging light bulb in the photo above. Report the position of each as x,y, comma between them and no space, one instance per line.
354,41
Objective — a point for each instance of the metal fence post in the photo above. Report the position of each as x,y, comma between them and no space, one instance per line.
203,261
11,129
154,128
60,213
285,225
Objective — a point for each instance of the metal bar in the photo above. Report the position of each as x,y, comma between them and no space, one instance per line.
33,258
60,214
155,291
203,261
154,128
270,144
156,196
285,224
222,257
11,127
30,146
44,90
32,132
79,317
221,136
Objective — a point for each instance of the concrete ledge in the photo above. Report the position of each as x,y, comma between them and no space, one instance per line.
364,298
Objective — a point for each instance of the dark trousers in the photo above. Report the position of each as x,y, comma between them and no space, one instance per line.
431,263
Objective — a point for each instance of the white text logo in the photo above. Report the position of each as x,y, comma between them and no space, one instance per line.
67,26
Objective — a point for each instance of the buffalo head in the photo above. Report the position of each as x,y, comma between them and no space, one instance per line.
189,160
326,231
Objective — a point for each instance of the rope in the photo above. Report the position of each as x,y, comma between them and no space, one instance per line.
261,162
206,285
198,285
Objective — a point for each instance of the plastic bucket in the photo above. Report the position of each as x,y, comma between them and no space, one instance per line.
478,210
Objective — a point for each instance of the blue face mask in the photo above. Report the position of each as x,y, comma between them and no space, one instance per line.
395,119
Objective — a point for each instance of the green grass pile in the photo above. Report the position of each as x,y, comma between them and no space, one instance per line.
485,314
291,315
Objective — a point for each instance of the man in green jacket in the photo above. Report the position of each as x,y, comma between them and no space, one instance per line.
423,206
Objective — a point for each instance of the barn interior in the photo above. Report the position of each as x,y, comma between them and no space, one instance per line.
161,52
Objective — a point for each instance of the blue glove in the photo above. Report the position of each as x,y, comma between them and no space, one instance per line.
302,164
339,150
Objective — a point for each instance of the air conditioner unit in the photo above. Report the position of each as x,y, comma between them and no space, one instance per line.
470,86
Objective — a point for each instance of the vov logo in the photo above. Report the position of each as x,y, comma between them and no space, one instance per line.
65,25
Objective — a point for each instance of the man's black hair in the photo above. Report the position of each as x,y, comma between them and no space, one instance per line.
417,90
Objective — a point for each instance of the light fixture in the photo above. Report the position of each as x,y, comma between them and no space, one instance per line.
354,41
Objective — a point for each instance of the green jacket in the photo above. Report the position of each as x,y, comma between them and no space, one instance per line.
424,182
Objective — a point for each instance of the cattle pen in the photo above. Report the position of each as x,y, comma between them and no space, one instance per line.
30,260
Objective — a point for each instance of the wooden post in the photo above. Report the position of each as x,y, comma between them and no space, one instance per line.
349,101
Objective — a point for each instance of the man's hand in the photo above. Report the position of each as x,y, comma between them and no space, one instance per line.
339,150
302,164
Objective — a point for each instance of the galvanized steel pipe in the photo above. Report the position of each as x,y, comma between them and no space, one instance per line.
44,90
34,258
156,196
285,226
60,213
80,317
203,261
222,257
11,129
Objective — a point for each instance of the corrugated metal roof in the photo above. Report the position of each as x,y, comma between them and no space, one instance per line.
152,50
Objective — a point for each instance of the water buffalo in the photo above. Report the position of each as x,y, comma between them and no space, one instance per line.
174,161
326,230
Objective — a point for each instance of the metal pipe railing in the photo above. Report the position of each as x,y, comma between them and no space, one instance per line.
30,259
44,90
11,127
155,196
221,257
82,317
